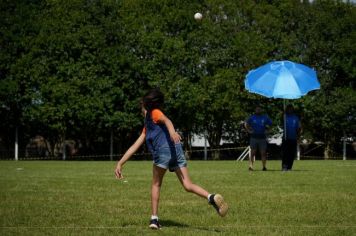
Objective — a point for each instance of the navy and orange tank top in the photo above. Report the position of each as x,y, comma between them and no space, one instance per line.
157,134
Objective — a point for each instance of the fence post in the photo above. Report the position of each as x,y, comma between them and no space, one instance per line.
111,144
344,147
16,143
205,147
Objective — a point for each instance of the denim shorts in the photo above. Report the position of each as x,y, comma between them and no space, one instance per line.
171,158
260,144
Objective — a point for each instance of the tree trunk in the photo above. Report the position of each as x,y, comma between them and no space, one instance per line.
64,148
215,154
187,145
328,150
214,138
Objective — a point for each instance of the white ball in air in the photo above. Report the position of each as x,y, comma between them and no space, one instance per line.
198,16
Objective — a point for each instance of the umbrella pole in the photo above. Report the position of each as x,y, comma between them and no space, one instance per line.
284,120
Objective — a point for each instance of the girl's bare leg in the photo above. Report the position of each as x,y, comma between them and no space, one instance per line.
183,177
158,174
218,202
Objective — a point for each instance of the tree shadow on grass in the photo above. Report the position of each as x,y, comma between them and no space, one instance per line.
171,223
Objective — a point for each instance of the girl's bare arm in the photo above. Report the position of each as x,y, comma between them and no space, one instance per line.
128,154
172,132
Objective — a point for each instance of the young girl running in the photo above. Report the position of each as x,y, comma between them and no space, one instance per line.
164,143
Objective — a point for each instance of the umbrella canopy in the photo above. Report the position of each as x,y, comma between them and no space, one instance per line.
282,79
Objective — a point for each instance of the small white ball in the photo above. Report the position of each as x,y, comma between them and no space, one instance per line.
198,16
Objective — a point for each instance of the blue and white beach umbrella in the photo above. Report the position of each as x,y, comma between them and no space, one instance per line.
282,79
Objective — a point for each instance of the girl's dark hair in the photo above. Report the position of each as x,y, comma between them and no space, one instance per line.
153,99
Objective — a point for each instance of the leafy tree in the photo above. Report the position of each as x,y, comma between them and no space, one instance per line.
331,52
77,69
17,28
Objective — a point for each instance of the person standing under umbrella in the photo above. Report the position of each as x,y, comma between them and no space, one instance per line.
291,135
257,125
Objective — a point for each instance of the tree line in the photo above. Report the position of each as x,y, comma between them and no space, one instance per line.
76,69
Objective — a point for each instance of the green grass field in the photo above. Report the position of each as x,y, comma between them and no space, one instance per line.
84,198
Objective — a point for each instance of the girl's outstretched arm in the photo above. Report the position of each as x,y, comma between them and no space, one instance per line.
128,154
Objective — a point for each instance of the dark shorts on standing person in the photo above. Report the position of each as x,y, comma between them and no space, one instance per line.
258,143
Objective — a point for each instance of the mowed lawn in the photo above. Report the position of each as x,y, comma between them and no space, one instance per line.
84,198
